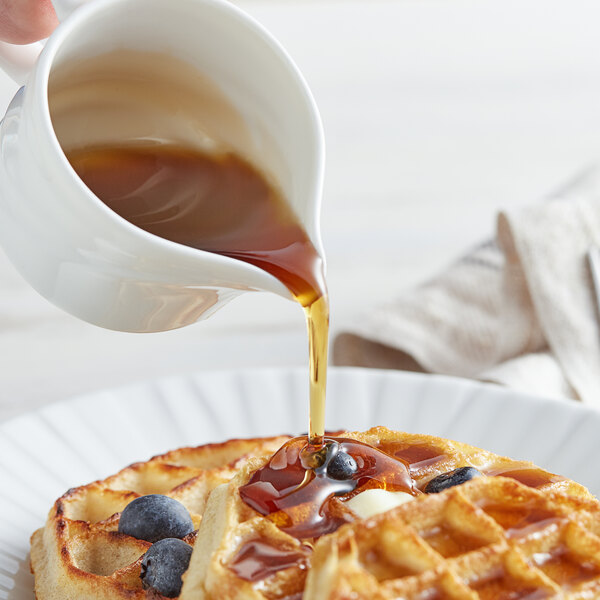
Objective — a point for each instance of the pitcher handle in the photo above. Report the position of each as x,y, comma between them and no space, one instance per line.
17,61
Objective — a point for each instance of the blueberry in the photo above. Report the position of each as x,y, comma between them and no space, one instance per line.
341,466
450,479
163,565
154,518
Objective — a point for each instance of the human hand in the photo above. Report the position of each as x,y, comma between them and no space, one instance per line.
26,21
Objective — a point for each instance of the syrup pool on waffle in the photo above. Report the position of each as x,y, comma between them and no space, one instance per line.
295,488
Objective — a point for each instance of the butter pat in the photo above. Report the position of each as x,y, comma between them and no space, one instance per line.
372,502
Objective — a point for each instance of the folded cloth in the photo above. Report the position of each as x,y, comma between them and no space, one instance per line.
519,310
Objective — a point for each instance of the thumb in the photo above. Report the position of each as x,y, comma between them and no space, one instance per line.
26,21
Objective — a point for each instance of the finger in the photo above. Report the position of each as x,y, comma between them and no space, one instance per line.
26,21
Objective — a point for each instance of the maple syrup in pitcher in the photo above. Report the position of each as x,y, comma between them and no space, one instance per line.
221,204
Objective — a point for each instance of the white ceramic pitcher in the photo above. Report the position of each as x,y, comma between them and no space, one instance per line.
82,256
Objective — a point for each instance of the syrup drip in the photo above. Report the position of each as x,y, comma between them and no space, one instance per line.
256,560
526,530
416,456
295,492
450,542
528,476
519,521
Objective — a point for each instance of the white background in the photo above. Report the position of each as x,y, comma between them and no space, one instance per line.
437,114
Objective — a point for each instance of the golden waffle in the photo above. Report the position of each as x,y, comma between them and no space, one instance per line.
79,554
488,539
241,554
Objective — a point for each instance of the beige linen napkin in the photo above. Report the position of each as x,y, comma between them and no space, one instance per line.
519,310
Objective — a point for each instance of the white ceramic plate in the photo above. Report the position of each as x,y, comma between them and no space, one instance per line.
44,453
